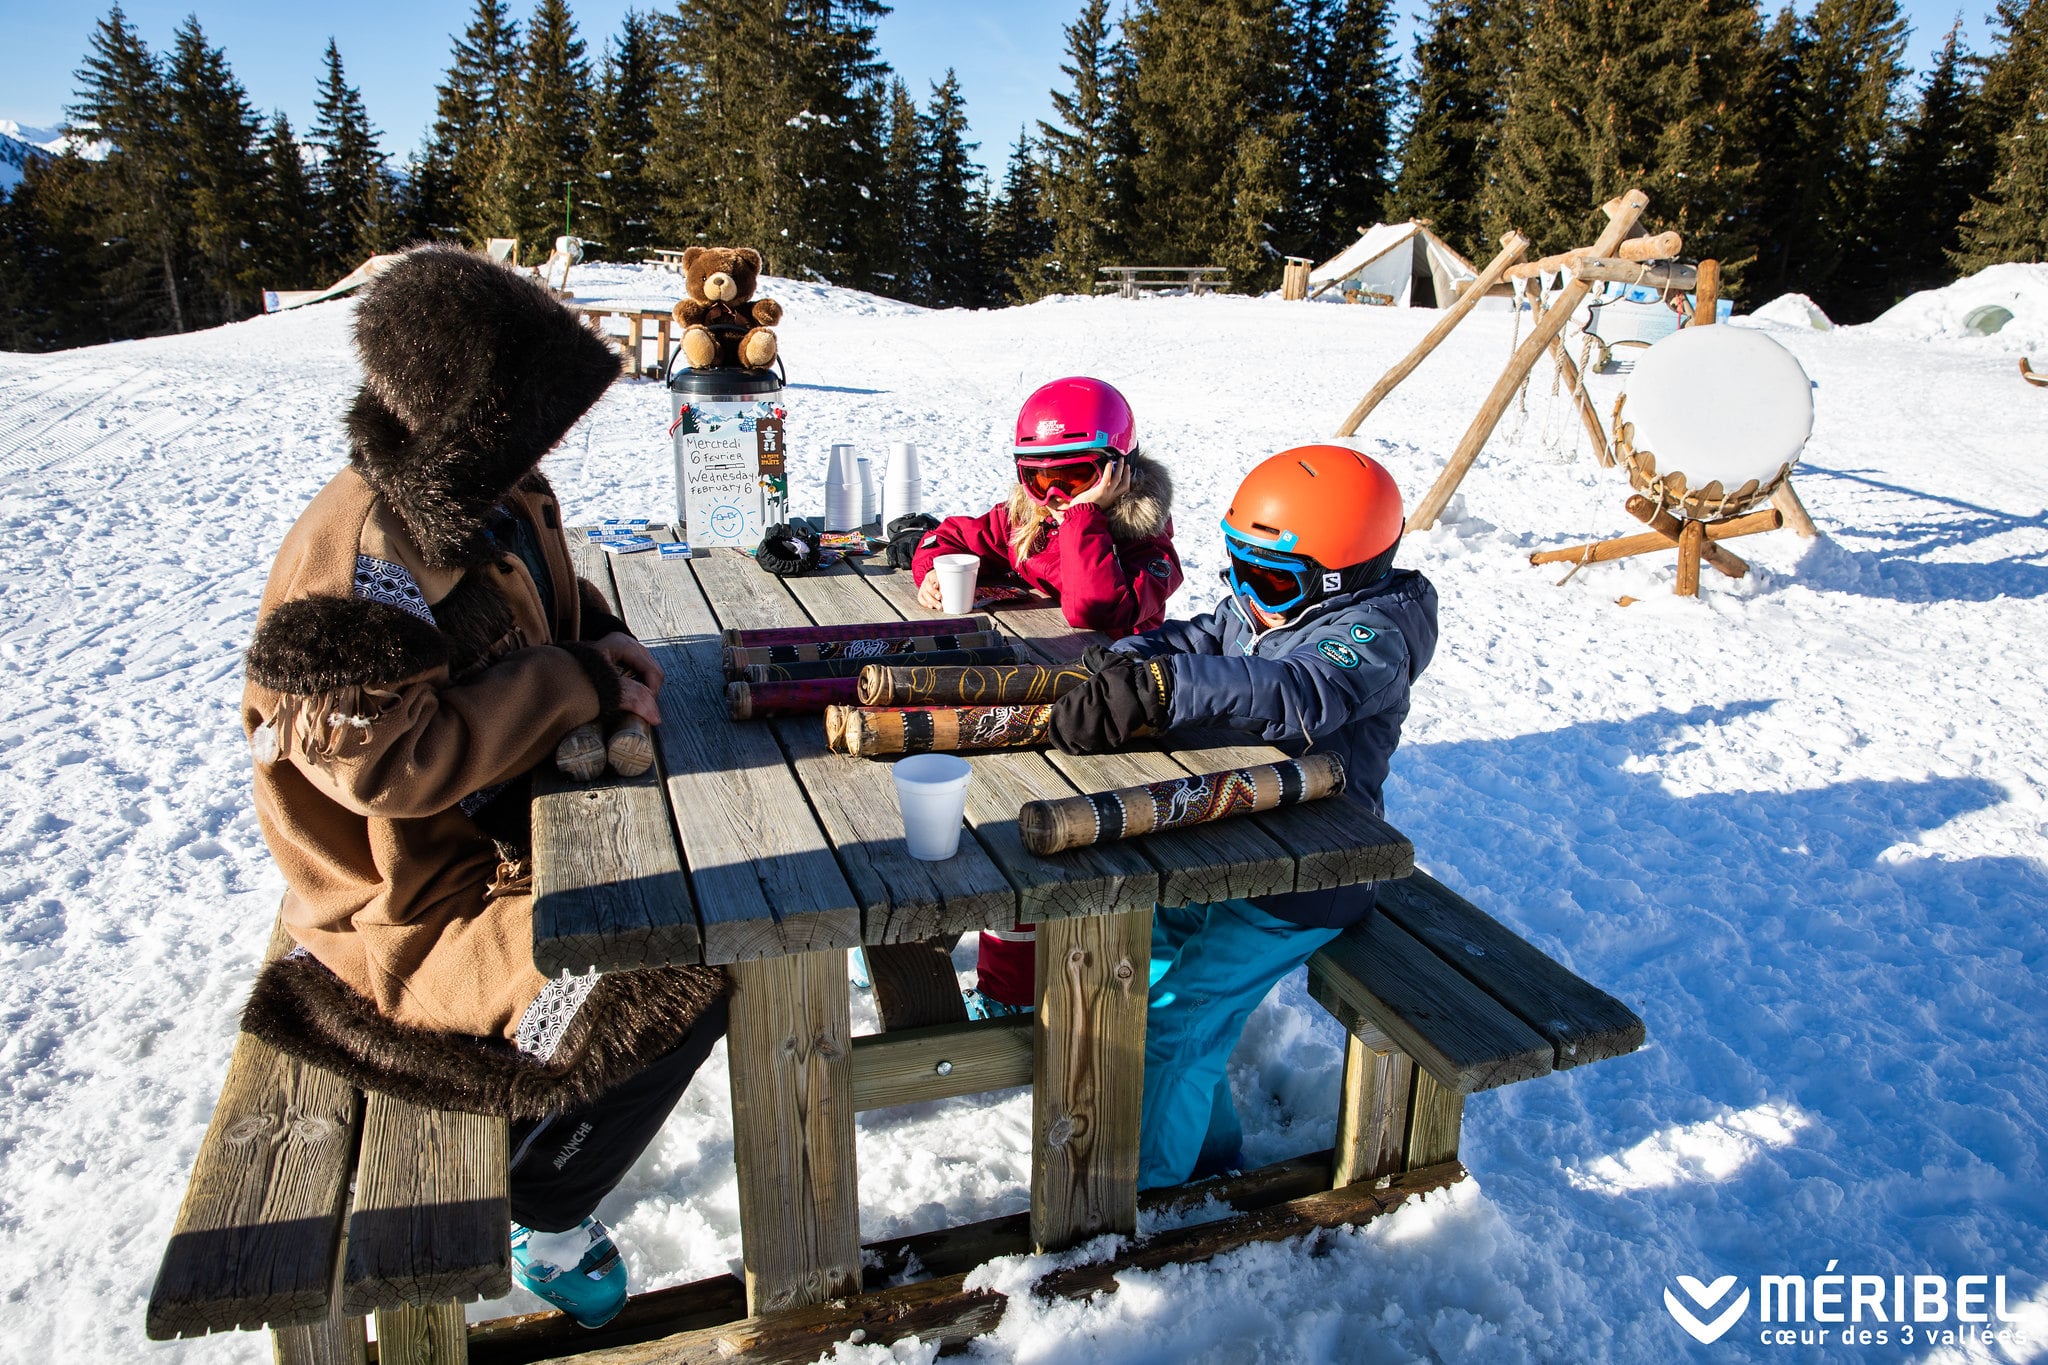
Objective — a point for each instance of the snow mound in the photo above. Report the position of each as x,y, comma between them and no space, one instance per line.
1793,310
2001,308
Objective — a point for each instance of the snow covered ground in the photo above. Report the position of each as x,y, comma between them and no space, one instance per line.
1798,824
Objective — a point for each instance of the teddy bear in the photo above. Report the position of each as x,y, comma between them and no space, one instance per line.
723,323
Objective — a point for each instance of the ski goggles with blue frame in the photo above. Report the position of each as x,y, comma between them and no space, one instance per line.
1266,573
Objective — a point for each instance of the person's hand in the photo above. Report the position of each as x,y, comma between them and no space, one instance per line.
630,657
1114,483
637,699
928,595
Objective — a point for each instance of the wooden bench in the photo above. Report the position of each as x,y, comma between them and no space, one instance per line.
632,344
1440,1000
311,1205
1129,281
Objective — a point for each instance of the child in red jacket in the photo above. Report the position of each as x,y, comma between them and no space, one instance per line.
1088,524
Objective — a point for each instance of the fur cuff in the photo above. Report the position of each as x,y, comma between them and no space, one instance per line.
630,1020
602,676
317,644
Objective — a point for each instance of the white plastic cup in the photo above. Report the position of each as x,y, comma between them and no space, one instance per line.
867,489
931,790
902,486
956,582
842,495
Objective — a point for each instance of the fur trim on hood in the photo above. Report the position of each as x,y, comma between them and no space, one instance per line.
471,373
628,1021
1142,512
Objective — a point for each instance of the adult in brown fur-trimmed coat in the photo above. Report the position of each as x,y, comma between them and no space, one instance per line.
723,323
422,644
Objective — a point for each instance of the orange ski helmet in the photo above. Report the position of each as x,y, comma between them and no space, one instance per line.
1310,522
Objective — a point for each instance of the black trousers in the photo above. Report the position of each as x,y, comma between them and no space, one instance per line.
563,1165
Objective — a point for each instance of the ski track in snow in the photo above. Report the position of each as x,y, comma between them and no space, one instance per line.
1797,824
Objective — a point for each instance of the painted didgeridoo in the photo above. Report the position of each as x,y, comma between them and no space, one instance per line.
1101,817
754,701
860,630
738,659
850,668
868,731
998,685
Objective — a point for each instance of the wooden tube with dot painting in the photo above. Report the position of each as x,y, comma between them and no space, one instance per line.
1050,827
850,668
870,731
738,658
860,630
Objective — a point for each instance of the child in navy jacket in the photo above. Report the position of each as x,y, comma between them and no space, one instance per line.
1315,648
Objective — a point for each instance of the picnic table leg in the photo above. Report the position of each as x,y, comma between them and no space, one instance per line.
633,345
790,1054
1089,1078
422,1336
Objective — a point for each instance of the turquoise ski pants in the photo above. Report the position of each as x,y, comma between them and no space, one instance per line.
1211,966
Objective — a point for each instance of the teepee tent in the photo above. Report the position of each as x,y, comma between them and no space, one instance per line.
1405,262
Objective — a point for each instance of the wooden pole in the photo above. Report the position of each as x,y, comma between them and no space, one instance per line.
1655,274
1794,511
1512,245
1690,541
1622,215
1707,294
1587,416
1651,541
1661,247
1664,524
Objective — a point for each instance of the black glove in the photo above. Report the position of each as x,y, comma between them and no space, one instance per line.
788,550
1128,697
904,534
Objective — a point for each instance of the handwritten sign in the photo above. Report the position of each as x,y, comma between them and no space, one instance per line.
729,461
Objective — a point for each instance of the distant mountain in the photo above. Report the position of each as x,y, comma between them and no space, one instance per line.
20,143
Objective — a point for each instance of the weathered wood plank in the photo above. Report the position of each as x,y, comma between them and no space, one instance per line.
939,1061
1581,1022
1372,1114
608,884
1083,881
340,1340
432,1335
1434,1122
431,1211
1449,1026
762,869
1089,1076
945,1313
792,1116
914,983
258,1236
948,1251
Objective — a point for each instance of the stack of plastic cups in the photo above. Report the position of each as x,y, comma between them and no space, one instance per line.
867,490
901,487
842,495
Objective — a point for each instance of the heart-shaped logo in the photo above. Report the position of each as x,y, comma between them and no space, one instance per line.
1705,1295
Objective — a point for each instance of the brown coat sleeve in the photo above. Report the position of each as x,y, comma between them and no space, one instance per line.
421,746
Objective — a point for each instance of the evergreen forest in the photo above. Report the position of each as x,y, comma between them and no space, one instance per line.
1799,149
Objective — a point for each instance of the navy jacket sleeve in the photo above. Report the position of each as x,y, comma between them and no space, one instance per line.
1203,635
1348,669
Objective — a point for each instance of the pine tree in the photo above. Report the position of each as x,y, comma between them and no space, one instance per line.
1082,162
548,139
901,258
470,123
214,140
1931,170
1352,91
1617,94
287,211
1780,154
2010,117
1016,234
1454,113
135,196
620,197
952,211
1212,110
355,196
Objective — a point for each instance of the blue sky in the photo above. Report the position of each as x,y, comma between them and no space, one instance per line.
1007,52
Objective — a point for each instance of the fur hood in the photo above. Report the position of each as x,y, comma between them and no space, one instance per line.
629,1020
1141,513
471,373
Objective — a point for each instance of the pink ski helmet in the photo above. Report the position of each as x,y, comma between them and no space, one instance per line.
1073,415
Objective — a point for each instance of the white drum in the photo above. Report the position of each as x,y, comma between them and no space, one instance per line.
1713,420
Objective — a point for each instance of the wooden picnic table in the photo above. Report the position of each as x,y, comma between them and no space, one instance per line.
754,847
637,321
1128,281
666,258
